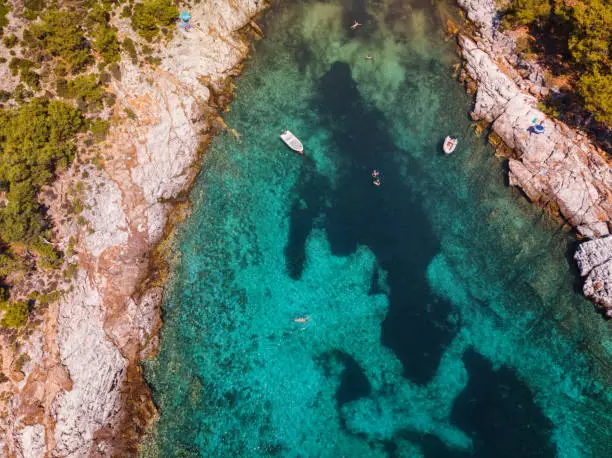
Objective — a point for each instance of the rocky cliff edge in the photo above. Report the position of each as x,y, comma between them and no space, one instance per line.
558,169
81,392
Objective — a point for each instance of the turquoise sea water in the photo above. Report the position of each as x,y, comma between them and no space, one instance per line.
442,310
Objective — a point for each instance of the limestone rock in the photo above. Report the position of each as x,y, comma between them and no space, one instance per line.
558,169
482,13
108,321
594,259
95,366
33,441
555,166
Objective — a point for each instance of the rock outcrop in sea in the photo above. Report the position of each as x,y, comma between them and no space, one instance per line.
559,169
81,393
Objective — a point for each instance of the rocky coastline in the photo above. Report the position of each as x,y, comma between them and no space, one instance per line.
559,169
80,392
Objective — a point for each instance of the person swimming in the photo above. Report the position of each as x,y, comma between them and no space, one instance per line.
376,182
355,25
368,58
375,173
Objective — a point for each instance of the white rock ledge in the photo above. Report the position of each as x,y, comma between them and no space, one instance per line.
558,169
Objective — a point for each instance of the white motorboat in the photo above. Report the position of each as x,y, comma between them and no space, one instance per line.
450,143
292,142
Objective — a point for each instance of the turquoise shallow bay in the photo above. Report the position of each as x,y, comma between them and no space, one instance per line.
444,314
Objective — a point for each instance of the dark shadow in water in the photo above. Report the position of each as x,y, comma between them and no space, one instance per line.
497,410
353,382
384,218
304,211
431,446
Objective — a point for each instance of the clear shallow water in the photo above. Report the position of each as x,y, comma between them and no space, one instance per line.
442,314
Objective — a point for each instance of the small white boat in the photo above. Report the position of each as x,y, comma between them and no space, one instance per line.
450,143
292,142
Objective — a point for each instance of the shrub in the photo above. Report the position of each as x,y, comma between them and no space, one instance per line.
10,41
16,315
130,113
60,34
126,12
596,90
35,140
591,38
8,264
129,47
21,93
85,89
525,12
70,272
115,71
105,42
99,129
31,78
33,8
23,67
4,10
70,248
150,15
49,258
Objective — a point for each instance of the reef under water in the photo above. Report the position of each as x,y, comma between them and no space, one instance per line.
311,313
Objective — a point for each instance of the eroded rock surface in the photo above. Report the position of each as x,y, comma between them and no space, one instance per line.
81,392
594,260
559,169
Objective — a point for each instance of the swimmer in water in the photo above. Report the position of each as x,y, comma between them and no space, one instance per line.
355,25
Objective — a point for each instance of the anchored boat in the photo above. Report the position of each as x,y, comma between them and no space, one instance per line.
450,143
292,142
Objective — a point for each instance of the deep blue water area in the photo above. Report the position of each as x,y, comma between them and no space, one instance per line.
311,313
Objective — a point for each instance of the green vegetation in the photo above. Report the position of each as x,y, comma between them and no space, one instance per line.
596,90
70,271
44,299
60,34
23,67
4,10
105,40
149,16
99,129
85,89
33,8
584,30
35,140
10,41
70,248
129,47
20,361
60,45
9,264
15,315
130,114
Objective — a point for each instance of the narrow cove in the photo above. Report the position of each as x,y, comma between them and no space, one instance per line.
443,318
